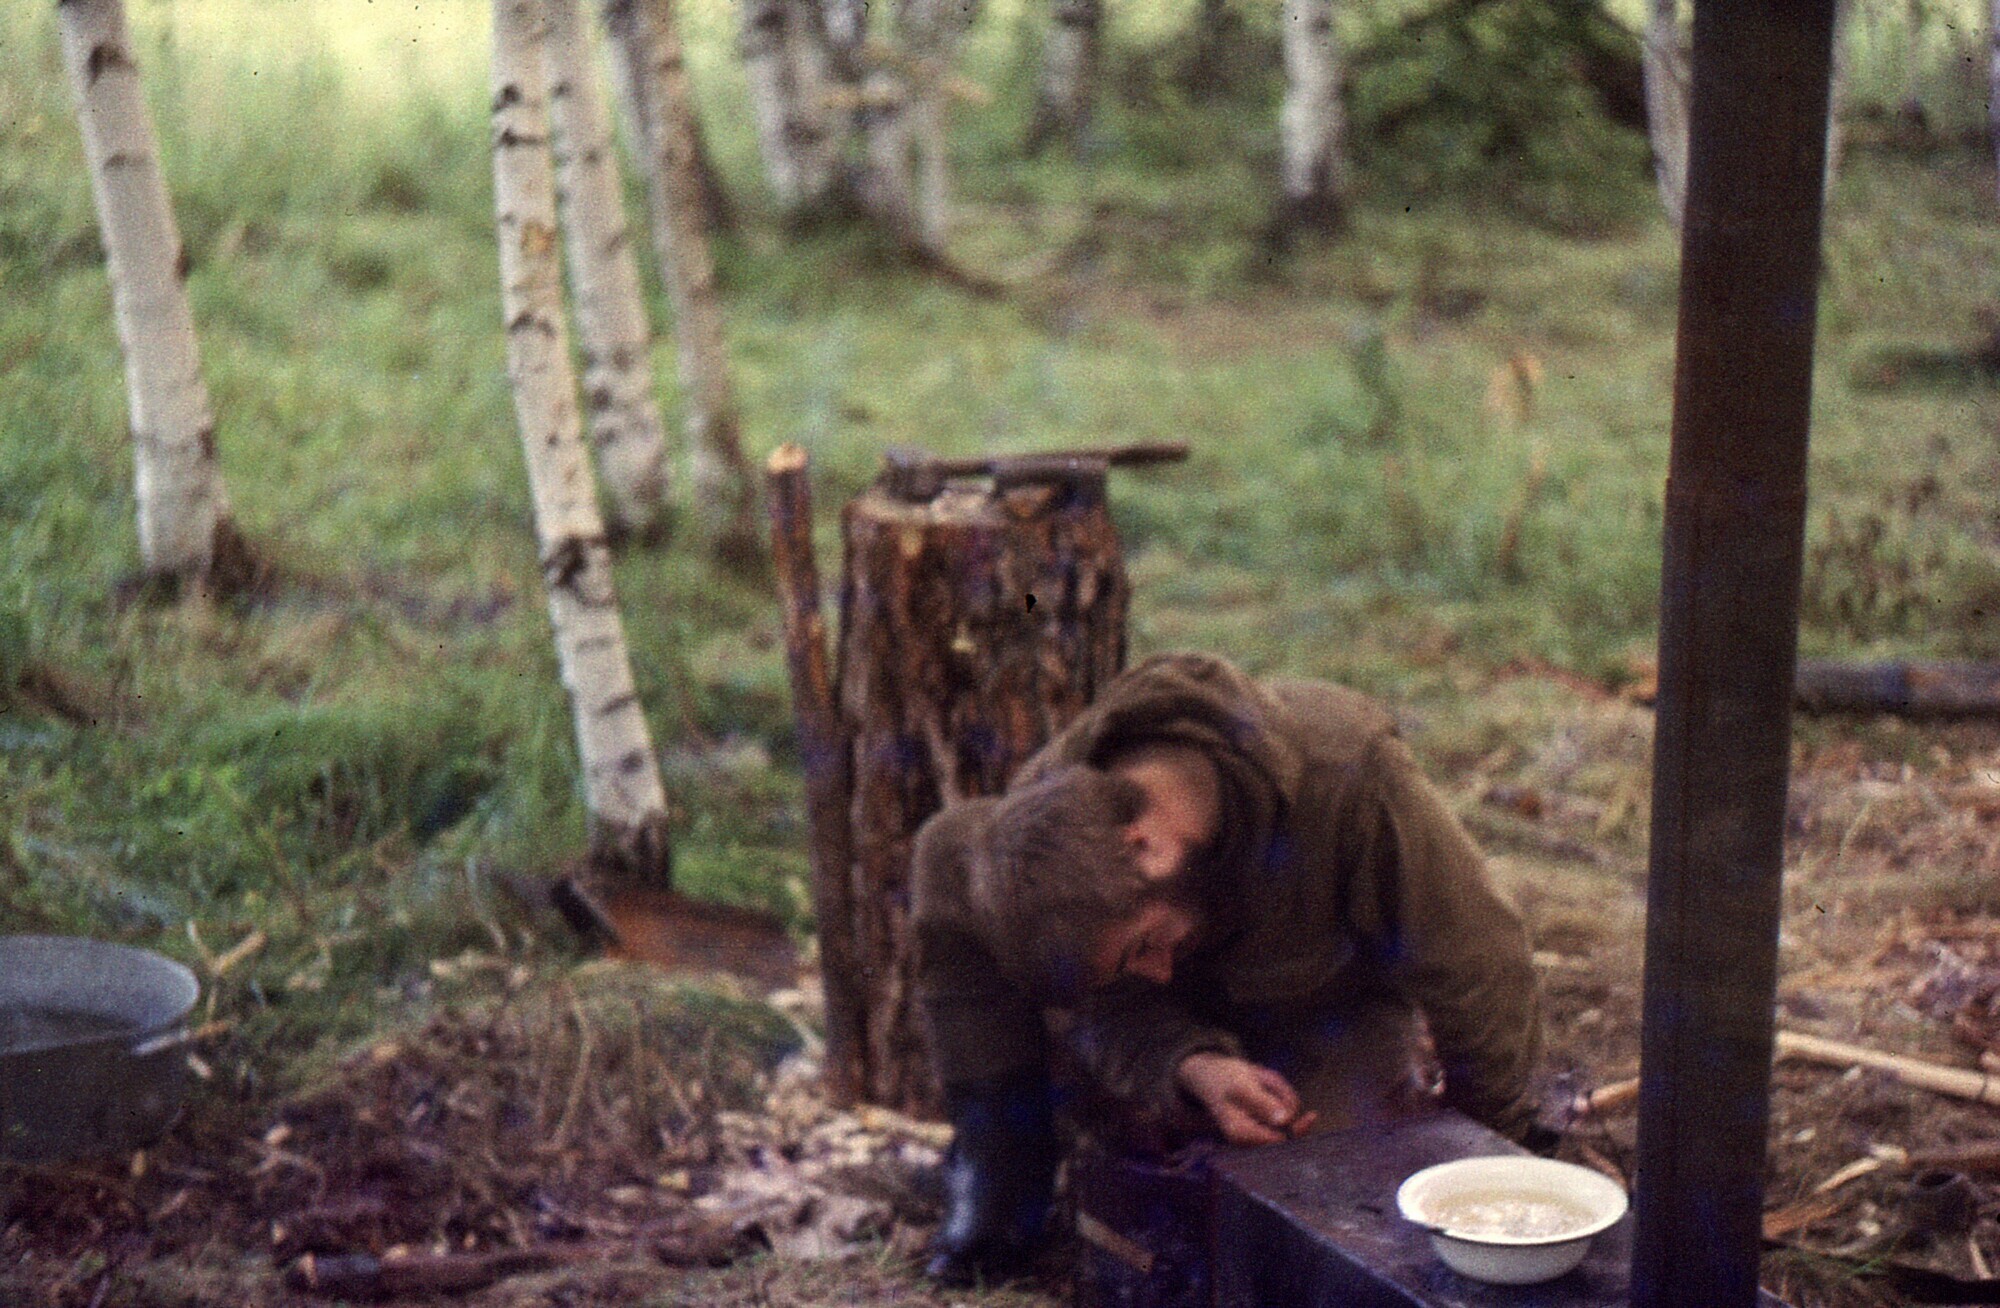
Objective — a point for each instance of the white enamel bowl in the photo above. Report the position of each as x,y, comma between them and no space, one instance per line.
1511,1219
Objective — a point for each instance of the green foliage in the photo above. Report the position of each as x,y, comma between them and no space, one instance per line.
1502,98
357,761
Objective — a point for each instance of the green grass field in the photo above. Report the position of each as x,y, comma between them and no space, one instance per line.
351,764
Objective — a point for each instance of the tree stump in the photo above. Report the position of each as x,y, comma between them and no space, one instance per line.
976,620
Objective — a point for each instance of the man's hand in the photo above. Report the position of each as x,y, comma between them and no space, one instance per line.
1250,1104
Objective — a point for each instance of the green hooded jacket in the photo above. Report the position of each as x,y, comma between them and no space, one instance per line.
1337,866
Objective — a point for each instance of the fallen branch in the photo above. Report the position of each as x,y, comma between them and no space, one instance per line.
364,1276
1959,1082
1860,1167
1606,1098
1975,1158
1911,689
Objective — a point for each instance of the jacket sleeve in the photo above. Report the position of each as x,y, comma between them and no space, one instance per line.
978,1025
1131,1037
1422,898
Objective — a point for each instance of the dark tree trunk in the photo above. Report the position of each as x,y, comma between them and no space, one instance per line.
974,625
1733,544
1205,73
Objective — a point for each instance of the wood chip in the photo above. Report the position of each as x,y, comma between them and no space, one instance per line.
1780,1222
237,953
1860,1167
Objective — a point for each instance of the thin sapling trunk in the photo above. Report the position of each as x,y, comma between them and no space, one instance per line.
625,427
1312,123
623,792
647,42
185,532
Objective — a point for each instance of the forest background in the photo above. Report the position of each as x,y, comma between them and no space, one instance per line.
1427,460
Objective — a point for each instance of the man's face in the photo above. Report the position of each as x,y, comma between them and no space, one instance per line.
1144,945
1178,820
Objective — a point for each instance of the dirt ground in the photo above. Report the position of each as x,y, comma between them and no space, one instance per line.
580,1141
1877,1191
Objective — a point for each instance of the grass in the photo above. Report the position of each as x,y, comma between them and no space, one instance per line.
355,764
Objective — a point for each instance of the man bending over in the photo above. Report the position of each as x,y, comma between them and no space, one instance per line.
1235,907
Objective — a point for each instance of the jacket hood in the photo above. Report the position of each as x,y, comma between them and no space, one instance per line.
1209,703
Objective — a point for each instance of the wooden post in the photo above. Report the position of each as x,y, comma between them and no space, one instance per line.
1734,540
974,625
829,784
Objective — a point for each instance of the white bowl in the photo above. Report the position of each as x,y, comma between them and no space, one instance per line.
1511,1219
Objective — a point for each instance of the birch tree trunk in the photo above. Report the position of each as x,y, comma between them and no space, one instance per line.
888,186
1666,70
1312,122
1068,87
621,779
1993,86
716,214
931,30
1911,110
185,532
646,39
785,61
625,427
874,86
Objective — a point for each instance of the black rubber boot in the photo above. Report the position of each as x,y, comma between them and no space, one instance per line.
998,1179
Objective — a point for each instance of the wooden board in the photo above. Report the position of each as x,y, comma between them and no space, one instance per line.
1307,1224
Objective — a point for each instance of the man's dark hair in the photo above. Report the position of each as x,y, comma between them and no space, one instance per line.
1056,871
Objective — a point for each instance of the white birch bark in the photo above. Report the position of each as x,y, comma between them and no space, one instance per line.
1312,124
931,30
785,62
764,44
872,99
1993,87
845,23
182,507
646,39
1666,71
822,174
1068,85
888,186
625,427
1917,15
716,216
621,777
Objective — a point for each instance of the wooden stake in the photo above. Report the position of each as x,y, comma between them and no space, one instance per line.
828,770
1606,1098
1959,1082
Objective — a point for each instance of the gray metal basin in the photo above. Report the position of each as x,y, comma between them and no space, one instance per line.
91,1046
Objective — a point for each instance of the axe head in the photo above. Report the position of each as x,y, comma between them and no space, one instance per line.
910,474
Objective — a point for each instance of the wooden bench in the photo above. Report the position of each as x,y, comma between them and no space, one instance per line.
1307,1224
